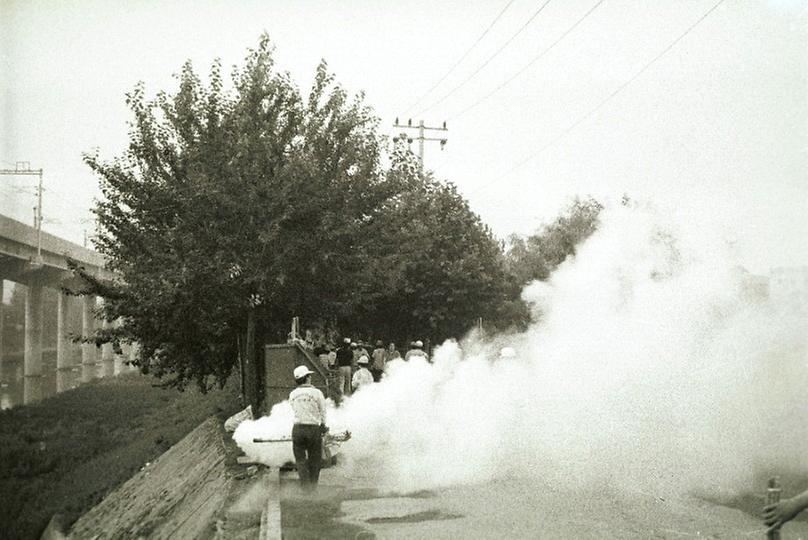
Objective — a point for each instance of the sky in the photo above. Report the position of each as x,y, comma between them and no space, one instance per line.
711,127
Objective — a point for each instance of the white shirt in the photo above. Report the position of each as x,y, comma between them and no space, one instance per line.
308,404
361,378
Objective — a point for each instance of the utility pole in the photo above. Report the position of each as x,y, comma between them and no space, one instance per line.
23,168
88,237
421,138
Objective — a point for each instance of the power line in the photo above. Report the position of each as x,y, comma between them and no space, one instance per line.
526,66
463,57
490,58
603,102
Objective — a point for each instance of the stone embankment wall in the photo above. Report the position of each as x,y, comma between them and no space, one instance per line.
185,493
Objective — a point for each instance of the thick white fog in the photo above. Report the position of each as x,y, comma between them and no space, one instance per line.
648,368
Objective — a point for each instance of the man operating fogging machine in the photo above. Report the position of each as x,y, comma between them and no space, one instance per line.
308,404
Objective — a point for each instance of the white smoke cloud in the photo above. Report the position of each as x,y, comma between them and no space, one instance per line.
647,370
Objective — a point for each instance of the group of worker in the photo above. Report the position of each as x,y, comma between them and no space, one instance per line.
356,370
356,367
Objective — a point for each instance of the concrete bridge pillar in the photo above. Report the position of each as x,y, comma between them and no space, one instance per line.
88,350
63,359
133,351
65,379
106,348
107,359
118,365
88,372
32,389
33,331
118,360
107,368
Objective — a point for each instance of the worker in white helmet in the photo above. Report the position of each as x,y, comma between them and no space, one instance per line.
363,376
417,350
308,405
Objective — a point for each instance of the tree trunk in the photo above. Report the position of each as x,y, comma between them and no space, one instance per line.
250,372
241,371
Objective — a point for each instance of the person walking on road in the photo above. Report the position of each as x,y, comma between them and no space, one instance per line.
345,359
308,405
379,360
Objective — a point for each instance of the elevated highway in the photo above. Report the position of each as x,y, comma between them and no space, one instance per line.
20,261
38,262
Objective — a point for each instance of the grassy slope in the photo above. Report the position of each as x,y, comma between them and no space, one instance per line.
64,454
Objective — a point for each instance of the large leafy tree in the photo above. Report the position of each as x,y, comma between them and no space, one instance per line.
437,266
233,210
232,206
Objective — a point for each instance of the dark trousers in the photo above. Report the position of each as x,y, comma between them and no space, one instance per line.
345,373
307,445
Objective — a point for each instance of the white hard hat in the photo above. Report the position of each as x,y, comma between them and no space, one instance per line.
419,343
363,360
346,340
507,352
301,371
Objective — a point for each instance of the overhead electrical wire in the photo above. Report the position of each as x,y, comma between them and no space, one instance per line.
488,60
460,60
603,102
529,64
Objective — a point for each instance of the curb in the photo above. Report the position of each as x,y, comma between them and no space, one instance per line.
271,516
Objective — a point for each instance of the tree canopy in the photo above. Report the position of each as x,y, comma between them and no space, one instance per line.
252,199
438,266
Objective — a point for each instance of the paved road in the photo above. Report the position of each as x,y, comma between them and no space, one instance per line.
526,509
